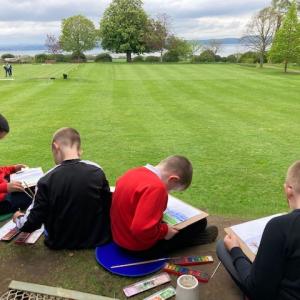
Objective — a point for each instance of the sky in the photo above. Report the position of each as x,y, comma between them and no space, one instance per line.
28,21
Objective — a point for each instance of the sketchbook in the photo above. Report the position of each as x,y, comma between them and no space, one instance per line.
250,234
180,214
29,177
32,238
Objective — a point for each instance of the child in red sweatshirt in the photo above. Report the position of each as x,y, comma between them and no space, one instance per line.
10,197
139,201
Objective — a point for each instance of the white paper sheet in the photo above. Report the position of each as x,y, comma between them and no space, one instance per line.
30,176
251,232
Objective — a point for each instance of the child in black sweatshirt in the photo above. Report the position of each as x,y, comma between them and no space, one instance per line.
72,200
275,272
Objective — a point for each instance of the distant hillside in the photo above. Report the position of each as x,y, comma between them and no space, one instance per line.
21,47
226,41
37,47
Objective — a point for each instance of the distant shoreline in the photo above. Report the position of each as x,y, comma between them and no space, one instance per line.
226,50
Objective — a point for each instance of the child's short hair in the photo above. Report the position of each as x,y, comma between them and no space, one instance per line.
67,136
180,166
4,127
293,176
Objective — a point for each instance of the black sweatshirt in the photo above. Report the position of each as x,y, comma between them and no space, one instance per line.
73,202
275,272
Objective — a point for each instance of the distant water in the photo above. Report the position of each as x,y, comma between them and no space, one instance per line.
225,50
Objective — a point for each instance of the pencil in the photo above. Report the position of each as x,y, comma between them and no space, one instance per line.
216,269
28,194
30,191
142,262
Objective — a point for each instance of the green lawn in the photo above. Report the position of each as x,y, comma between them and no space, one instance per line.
238,125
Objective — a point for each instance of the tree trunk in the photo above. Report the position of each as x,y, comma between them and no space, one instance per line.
161,55
128,56
261,60
285,66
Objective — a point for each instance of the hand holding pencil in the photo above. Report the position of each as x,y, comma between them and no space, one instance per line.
15,186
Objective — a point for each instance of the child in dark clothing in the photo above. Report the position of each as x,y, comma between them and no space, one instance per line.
274,273
72,199
11,196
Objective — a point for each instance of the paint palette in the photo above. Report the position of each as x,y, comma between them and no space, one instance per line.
192,260
178,271
10,235
146,284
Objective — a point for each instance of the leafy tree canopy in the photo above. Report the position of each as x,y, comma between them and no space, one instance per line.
78,34
286,45
123,27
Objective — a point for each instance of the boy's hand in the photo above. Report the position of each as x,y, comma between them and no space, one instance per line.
231,241
171,232
16,215
15,186
19,167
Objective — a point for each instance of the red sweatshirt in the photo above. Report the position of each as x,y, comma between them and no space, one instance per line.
4,172
138,203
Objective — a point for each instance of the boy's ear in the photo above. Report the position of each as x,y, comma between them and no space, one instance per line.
174,178
288,191
55,146
174,182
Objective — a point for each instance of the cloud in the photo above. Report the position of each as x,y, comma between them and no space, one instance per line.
28,21
27,32
204,8
211,27
50,10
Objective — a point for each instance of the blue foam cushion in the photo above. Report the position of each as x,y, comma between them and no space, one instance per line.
110,255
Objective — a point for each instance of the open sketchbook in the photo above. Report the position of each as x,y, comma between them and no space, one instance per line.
180,214
29,177
33,237
250,234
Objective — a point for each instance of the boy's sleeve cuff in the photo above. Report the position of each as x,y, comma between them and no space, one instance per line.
237,253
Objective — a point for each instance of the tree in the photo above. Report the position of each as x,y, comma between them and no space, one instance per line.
178,47
157,34
214,45
195,47
260,32
123,27
286,45
52,44
78,35
281,7
207,56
